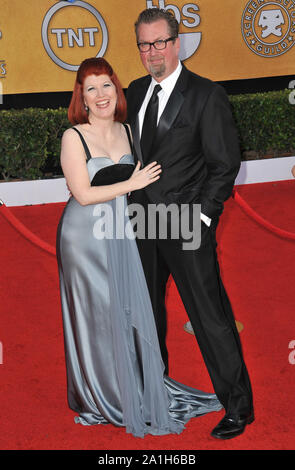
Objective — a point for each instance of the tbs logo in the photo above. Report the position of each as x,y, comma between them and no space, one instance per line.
190,41
2,68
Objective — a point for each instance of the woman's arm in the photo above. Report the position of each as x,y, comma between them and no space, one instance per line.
74,168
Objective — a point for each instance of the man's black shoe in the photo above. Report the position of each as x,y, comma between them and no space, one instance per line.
231,426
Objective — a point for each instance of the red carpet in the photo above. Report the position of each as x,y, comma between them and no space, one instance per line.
258,269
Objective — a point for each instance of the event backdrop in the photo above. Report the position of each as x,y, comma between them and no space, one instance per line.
42,42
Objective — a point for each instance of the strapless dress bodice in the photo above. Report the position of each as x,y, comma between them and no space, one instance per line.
104,171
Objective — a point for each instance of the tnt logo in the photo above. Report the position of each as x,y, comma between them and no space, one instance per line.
72,31
268,27
189,41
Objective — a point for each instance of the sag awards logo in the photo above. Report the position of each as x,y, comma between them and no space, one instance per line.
73,30
268,27
189,41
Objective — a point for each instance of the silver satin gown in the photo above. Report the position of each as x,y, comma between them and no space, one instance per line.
113,360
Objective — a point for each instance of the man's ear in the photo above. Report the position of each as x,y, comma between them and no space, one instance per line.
177,43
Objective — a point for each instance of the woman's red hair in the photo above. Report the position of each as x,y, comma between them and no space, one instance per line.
94,66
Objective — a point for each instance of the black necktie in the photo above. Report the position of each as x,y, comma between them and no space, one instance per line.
150,123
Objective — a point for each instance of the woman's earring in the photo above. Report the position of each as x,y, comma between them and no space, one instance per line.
86,108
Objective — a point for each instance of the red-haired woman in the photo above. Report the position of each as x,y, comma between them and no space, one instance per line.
113,359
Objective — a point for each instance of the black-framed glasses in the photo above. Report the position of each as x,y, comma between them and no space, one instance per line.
160,44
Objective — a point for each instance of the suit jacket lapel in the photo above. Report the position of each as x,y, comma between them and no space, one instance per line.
169,115
172,108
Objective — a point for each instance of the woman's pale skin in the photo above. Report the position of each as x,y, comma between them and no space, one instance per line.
105,138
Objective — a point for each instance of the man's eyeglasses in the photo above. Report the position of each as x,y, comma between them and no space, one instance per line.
160,44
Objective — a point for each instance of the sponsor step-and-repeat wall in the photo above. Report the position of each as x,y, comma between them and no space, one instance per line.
42,42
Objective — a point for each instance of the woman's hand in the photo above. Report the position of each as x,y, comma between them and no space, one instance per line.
142,178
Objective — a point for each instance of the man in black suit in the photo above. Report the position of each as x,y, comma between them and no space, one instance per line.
196,143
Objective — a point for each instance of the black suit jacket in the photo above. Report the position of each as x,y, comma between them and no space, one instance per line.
196,143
